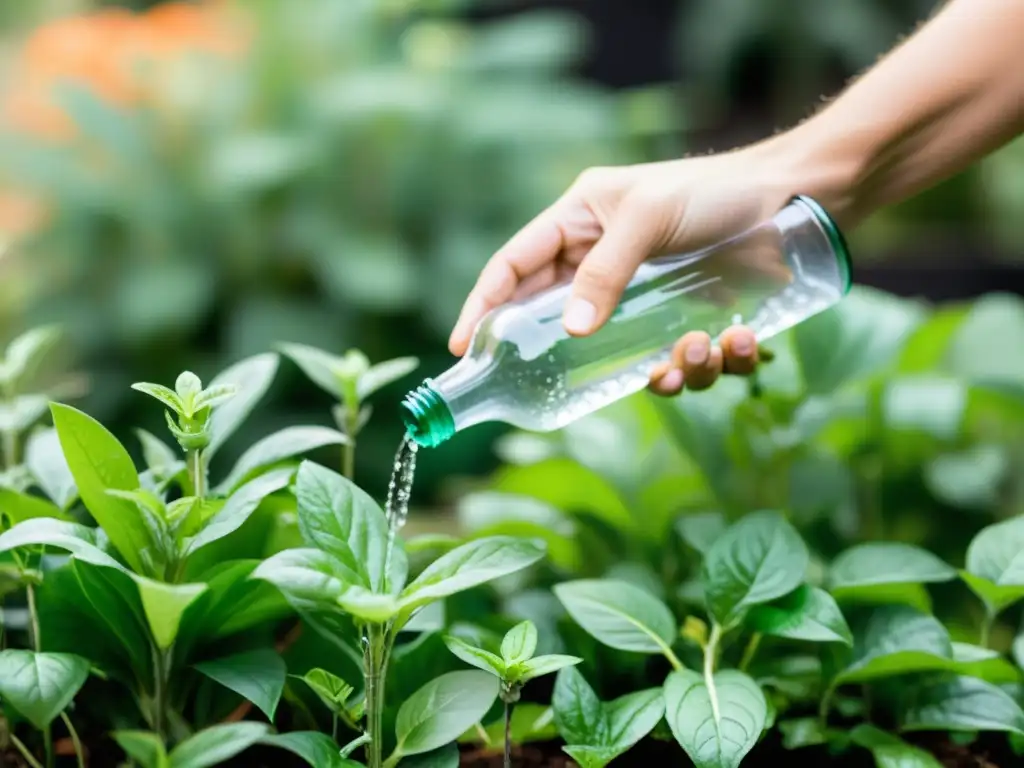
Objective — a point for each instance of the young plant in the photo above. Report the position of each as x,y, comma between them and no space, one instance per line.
597,732
350,379
354,574
514,667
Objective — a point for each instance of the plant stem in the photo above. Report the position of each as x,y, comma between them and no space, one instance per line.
986,627
710,658
334,727
669,654
10,449
197,472
33,617
508,733
48,746
750,651
375,667
74,739
24,752
161,674
348,448
826,705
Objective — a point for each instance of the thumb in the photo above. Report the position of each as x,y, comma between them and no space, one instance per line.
607,269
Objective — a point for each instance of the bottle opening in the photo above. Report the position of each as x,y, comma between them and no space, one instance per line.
835,237
428,420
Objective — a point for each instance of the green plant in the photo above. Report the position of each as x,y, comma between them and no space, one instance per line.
514,666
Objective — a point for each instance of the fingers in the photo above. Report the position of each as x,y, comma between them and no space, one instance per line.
607,269
533,247
697,365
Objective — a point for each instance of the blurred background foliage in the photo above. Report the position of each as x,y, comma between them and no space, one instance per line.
184,184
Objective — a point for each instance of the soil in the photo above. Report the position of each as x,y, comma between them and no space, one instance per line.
990,751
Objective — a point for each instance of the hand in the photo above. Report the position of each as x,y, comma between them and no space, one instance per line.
611,220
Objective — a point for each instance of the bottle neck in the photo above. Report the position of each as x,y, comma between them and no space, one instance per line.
455,400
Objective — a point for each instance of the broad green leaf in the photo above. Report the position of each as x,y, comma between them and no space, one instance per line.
896,640
530,723
83,542
156,453
309,578
164,605
332,690
318,365
257,676
16,507
445,757
758,559
385,373
470,565
442,710
237,509
580,716
252,377
369,606
990,665
619,614
633,716
40,685
716,723
337,516
214,397
995,558
701,530
870,572
803,732
144,746
475,657
217,744
283,444
100,463
24,353
891,751
519,643
317,749
165,395
960,704
807,613
592,757
545,665
972,478
45,460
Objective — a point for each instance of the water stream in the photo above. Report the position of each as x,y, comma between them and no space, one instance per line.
399,490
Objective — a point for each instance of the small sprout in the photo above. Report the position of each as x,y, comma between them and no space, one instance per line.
192,405
696,630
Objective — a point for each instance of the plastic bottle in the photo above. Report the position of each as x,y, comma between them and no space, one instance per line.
523,368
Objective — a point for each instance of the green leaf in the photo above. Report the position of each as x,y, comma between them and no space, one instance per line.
156,453
214,745
40,685
283,444
382,374
579,715
701,530
519,643
995,558
100,463
470,565
252,377
17,507
976,661
84,543
25,352
309,578
960,704
869,572
214,397
807,613
332,690
618,614
530,723
591,757
164,605
237,509
633,716
318,365
891,751
442,710
144,746
317,749
165,395
545,665
896,640
257,676
339,517
758,559
445,757
45,460
22,412
716,724
475,657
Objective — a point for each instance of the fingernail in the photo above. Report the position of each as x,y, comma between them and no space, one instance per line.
672,380
697,353
580,315
743,346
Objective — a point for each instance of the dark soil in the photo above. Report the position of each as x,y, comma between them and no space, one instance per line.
990,751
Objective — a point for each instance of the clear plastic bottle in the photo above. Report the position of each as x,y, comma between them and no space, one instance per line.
523,368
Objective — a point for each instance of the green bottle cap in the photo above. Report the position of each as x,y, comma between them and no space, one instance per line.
835,238
428,419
